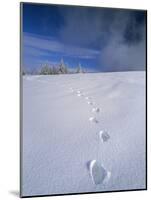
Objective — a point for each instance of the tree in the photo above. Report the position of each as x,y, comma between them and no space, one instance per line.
45,70
79,69
62,67
55,70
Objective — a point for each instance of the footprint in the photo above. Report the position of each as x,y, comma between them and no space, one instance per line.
78,92
87,98
104,136
90,102
98,173
96,110
72,90
93,119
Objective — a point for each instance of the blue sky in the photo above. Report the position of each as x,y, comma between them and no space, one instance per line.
98,38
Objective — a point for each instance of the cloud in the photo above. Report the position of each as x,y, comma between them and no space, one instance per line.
120,57
40,46
118,35
34,52
127,47
83,26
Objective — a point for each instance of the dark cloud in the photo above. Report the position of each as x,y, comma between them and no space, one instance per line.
119,35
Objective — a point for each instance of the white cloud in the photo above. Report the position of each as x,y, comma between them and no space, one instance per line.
39,46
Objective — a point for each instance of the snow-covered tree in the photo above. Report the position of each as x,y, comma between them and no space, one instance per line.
62,67
45,70
55,70
79,69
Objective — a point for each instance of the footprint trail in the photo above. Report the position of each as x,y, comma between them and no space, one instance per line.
97,171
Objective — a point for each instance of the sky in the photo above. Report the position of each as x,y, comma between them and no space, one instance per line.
100,39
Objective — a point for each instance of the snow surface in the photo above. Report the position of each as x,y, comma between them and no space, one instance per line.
59,139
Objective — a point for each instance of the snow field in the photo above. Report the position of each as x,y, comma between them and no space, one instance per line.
61,136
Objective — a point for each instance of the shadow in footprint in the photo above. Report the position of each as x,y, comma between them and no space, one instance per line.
97,110
98,173
88,164
104,136
90,103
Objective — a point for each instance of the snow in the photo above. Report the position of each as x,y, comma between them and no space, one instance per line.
59,139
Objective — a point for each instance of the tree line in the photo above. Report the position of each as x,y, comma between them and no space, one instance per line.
61,68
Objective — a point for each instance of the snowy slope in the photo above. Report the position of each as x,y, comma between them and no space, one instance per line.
64,117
